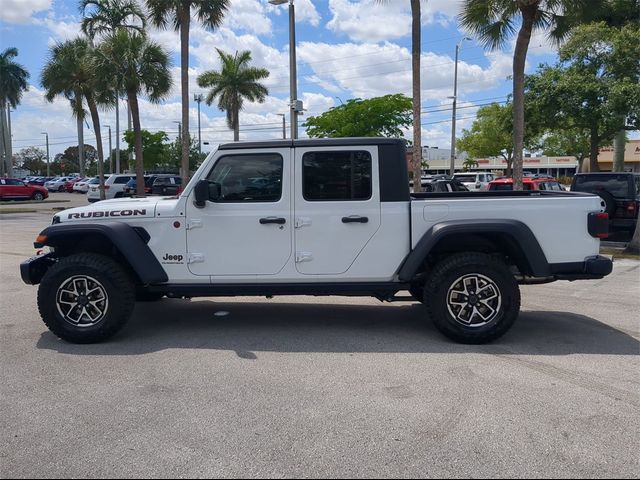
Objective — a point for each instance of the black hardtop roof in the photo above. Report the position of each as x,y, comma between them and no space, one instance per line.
313,142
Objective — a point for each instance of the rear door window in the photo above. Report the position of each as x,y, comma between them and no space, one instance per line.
616,185
336,175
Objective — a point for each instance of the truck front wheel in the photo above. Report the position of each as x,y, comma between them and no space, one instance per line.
472,297
86,298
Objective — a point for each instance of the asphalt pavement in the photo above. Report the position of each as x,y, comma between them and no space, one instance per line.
321,387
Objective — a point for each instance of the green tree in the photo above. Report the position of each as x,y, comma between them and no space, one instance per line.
494,22
568,141
154,149
491,135
375,117
13,82
32,159
178,13
102,17
594,88
69,160
233,84
175,155
69,72
143,66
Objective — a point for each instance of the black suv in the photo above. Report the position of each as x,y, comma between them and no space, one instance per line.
620,192
442,183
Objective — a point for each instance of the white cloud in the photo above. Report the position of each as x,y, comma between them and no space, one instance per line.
249,15
20,11
305,12
371,21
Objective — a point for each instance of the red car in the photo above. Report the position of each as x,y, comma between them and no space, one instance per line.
528,183
11,188
68,185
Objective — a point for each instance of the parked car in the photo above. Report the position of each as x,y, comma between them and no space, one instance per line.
56,184
620,193
40,181
167,185
81,186
341,222
130,187
534,183
442,183
113,187
12,188
475,181
68,185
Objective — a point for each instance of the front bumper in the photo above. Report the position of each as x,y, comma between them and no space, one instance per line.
33,269
595,267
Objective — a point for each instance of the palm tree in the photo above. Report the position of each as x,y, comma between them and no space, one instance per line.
69,72
416,40
163,13
104,17
236,82
107,15
143,66
13,82
494,22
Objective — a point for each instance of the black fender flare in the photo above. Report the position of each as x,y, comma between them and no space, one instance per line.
515,231
129,242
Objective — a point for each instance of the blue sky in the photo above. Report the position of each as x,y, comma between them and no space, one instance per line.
345,49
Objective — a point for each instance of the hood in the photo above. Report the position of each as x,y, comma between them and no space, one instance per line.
118,209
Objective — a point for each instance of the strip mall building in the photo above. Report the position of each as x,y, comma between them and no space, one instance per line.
556,166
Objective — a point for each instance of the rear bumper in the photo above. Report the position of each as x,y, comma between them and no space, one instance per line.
592,268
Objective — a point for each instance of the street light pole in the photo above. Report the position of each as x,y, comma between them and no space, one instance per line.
117,135
284,125
48,168
110,155
293,75
198,98
452,166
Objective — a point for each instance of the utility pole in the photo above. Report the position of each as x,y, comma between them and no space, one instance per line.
110,154
117,135
452,166
197,97
48,166
9,146
284,125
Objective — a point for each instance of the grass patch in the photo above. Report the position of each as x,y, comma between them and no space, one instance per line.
29,202
17,210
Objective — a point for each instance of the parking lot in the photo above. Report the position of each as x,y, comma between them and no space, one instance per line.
320,387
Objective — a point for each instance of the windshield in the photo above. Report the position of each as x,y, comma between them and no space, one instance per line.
466,178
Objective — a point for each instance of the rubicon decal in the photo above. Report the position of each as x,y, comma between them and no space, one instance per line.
113,213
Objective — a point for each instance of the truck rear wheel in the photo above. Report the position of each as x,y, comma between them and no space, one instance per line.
86,298
472,297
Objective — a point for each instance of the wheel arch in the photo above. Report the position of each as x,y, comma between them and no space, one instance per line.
511,238
116,239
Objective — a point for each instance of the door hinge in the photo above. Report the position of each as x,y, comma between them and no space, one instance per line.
196,258
303,257
194,223
302,222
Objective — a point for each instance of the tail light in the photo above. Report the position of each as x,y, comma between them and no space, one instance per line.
598,224
632,208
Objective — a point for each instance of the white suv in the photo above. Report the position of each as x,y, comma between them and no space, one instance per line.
113,187
475,181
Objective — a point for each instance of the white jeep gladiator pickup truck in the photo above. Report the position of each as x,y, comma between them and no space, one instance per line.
314,217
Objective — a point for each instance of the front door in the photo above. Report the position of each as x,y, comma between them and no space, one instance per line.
337,207
248,231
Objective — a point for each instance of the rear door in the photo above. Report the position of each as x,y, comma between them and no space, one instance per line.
337,206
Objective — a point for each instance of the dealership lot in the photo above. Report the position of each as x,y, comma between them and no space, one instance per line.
305,386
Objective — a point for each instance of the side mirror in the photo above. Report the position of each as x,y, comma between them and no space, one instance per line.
206,190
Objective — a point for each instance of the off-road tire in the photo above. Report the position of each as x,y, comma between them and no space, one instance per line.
116,285
444,278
